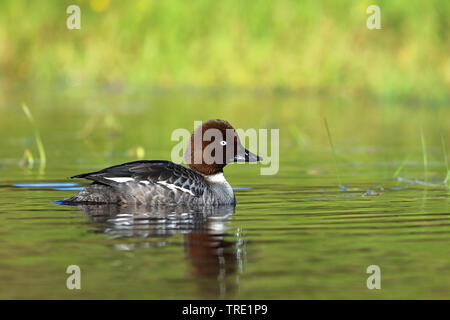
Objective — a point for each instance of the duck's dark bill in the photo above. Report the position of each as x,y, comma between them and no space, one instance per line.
243,155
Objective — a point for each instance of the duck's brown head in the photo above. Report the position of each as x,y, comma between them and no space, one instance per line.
213,145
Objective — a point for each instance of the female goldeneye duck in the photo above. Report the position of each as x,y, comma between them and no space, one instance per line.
211,147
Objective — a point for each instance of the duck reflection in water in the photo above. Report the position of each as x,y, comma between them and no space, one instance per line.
215,259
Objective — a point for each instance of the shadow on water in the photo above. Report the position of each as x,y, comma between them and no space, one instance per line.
212,258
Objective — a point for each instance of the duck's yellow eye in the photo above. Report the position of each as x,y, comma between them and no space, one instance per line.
223,143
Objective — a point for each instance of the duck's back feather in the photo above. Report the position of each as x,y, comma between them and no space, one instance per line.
157,176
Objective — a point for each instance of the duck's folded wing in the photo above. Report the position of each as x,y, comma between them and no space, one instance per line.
165,173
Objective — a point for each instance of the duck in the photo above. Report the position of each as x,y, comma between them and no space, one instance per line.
212,145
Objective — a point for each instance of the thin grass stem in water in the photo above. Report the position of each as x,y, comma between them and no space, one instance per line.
338,176
37,137
425,156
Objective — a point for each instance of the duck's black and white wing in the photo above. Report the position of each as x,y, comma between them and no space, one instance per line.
153,174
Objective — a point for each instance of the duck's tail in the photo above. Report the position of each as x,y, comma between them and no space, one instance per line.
95,193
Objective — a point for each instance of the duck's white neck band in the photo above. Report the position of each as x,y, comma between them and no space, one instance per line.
216,178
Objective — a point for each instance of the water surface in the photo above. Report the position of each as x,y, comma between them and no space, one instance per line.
309,232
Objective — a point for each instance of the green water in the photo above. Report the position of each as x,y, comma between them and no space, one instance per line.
293,235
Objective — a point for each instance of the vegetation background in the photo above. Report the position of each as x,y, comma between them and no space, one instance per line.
321,46
138,69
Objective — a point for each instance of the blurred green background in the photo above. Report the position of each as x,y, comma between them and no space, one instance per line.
302,46
137,70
